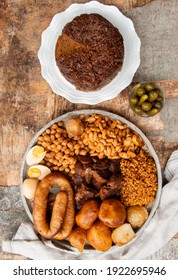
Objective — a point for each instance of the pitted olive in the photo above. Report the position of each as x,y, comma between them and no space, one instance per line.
159,98
146,106
153,111
149,87
152,95
133,100
140,91
138,110
158,105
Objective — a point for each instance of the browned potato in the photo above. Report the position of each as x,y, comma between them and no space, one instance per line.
99,236
137,215
77,238
74,127
123,234
112,213
87,214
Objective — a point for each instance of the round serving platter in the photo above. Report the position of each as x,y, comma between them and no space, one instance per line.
65,245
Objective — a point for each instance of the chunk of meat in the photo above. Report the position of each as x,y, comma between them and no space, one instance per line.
83,193
86,160
115,166
76,180
101,164
96,184
79,169
112,187
88,175
98,177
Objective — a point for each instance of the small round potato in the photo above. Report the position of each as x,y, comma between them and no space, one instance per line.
87,214
29,186
99,236
74,127
77,238
137,215
112,213
123,234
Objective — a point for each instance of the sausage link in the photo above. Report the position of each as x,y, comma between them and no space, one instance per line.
63,214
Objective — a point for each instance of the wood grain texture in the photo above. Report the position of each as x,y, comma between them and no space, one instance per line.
27,102
21,120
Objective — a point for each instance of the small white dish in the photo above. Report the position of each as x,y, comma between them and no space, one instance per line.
51,72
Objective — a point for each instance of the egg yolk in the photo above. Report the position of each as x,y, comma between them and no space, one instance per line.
34,172
37,151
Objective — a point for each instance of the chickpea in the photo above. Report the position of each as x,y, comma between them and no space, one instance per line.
47,138
53,131
60,124
54,126
41,138
52,137
55,168
61,168
48,131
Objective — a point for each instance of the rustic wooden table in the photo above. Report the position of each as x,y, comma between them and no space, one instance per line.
27,102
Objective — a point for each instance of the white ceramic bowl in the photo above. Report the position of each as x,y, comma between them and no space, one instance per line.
51,72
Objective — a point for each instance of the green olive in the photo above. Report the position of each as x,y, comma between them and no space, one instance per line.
153,111
133,100
157,90
143,98
159,98
158,105
140,91
152,96
135,90
138,110
146,106
149,87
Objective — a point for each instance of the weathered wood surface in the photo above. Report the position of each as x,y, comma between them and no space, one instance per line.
21,121
27,102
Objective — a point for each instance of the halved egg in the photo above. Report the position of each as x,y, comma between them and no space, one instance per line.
38,171
35,155
29,187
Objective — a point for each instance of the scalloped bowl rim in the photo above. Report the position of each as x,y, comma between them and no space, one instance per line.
51,72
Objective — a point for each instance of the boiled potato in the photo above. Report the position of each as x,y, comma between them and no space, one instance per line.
112,213
77,238
137,215
29,187
87,214
99,236
123,234
74,127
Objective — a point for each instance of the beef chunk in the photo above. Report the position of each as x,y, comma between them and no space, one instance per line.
88,175
83,193
101,164
98,177
76,180
112,187
86,160
79,169
115,166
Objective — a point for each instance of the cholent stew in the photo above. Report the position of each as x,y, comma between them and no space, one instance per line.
104,177
89,52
